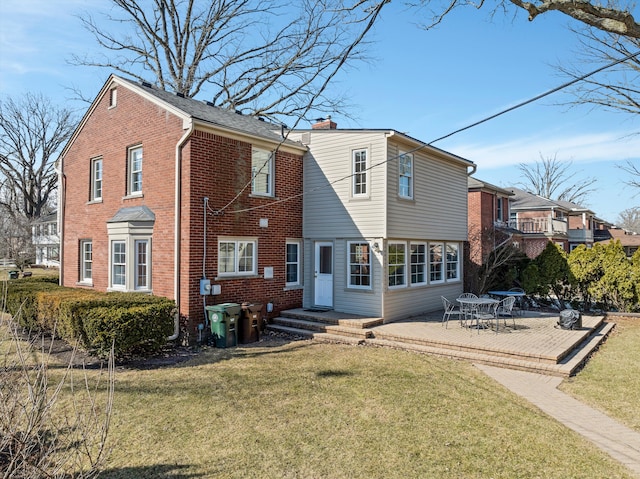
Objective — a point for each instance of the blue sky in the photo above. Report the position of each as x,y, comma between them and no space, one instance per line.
423,83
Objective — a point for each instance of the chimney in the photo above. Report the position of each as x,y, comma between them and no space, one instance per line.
323,124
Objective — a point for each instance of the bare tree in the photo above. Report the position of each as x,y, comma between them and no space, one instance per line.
633,170
32,131
614,89
611,17
16,240
262,57
554,180
629,219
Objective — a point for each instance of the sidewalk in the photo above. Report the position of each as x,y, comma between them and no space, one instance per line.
620,442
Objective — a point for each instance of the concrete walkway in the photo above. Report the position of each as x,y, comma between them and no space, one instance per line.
620,442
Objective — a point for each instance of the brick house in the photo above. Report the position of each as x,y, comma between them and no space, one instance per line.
489,213
172,196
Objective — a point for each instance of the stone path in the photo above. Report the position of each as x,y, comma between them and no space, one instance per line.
620,442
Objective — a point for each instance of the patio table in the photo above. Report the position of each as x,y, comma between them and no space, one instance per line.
470,307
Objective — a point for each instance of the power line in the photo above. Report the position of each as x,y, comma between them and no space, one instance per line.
472,125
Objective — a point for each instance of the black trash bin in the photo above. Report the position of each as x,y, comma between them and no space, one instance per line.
14,274
224,320
250,323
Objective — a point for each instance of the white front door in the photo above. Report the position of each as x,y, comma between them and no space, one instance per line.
323,285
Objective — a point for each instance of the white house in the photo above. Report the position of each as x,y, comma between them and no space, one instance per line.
46,240
384,221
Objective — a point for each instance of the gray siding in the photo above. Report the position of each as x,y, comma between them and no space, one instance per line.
438,210
402,303
329,208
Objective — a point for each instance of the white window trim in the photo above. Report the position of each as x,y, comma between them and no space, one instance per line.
365,172
356,286
94,180
136,276
442,263
237,242
405,282
113,97
112,265
446,273
129,233
268,172
410,176
425,263
84,279
130,172
298,263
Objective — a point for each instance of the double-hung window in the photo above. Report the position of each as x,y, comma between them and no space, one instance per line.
436,274
118,264
141,264
237,257
453,262
134,186
360,165
397,258
359,265
96,179
405,170
261,172
86,261
418,263
292,263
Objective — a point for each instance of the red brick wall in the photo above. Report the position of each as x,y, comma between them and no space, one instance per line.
218,169
107,133
212,166
481,212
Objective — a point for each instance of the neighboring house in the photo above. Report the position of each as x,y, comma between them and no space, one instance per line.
169,195
46,240
385,221
541,220
630,241
489,214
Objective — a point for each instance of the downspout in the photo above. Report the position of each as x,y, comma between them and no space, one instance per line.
60,218
177,225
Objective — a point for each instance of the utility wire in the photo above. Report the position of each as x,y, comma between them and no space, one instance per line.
484,120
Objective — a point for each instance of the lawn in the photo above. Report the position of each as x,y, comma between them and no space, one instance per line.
305,410
297,409
611,379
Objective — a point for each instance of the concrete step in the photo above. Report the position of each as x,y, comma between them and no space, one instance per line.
332,317
320,327
315,335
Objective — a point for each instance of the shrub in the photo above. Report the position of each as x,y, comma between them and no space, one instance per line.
138,323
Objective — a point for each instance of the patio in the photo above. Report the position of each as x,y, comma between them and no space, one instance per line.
536,344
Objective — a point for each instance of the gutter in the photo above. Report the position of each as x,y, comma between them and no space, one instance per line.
60,220
177,225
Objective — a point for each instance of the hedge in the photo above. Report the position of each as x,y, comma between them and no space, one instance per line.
135,323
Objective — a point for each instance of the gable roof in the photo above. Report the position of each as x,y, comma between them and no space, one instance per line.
476,184
197,112
525,200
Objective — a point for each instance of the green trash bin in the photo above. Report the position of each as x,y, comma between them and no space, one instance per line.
224,320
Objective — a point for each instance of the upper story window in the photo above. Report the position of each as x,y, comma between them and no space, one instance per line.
261,172
405,170
359,265
96,179
113,97
360,165
237,257
134,185
500,213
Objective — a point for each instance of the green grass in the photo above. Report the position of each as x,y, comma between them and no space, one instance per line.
307,410
611,379
304,410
